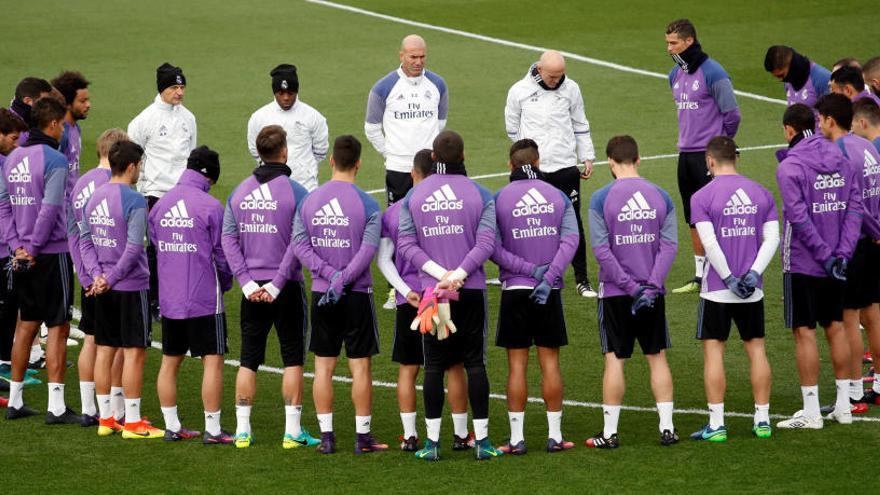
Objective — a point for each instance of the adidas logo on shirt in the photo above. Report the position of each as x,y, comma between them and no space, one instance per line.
83,197
259,199
442,199
636,208
740,204
177,216
826,181
871,165
101,215
532,203
331,214
21,172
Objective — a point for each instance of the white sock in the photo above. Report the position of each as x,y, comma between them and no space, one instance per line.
325,422
242,419
716,415
362,424
16,394
481,428
516,426
172,422
292,420
433,427
842,401
104,409
56,399
8,363
36,353
811,401
554,425
117,402
459,424
699,266
665,411
762,413
132,410
408,419
611,415
87,398
855,389
876,386
212,423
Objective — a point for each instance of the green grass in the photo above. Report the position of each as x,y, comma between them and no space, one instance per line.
227,50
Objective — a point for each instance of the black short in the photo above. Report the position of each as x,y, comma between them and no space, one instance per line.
714,319
523,323
200,336
87,313
862,287
45,292
352,321
693,174
397,184
407,346
468,344
288,314
619,329
808,300
122,319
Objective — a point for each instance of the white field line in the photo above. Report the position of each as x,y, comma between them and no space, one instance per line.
537,400
523,46
605,162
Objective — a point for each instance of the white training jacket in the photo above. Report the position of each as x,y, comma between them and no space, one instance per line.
404,115
555,119
168,135
307,138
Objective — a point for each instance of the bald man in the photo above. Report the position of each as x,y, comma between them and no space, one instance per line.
405,112
547,107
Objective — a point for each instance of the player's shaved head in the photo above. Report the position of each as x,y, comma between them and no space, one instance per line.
423,164
867,109
448,147
411,42
722,149
552,61
524,152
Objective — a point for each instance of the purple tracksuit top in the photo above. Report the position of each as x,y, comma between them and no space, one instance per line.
863,158
71,147
821,206
186,225
448,219
32,199
633,232
706,105
112,238
391,230
81,193
337,228
536,225
257,230
738,208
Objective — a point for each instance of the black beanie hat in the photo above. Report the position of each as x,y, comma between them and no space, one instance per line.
284,78
168,75
205,161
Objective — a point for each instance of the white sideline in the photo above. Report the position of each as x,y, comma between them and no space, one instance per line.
514,44
570,403
605,162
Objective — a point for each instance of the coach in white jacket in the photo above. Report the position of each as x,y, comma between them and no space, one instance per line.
548,107
167,132
307,134
406,110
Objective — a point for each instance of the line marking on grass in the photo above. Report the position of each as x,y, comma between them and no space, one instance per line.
523,46
535,400
605,162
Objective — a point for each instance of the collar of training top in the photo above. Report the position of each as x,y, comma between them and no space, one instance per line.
37,136
412,80
525,172
691,59
21,109
450,168
159,102
268,171
798,71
